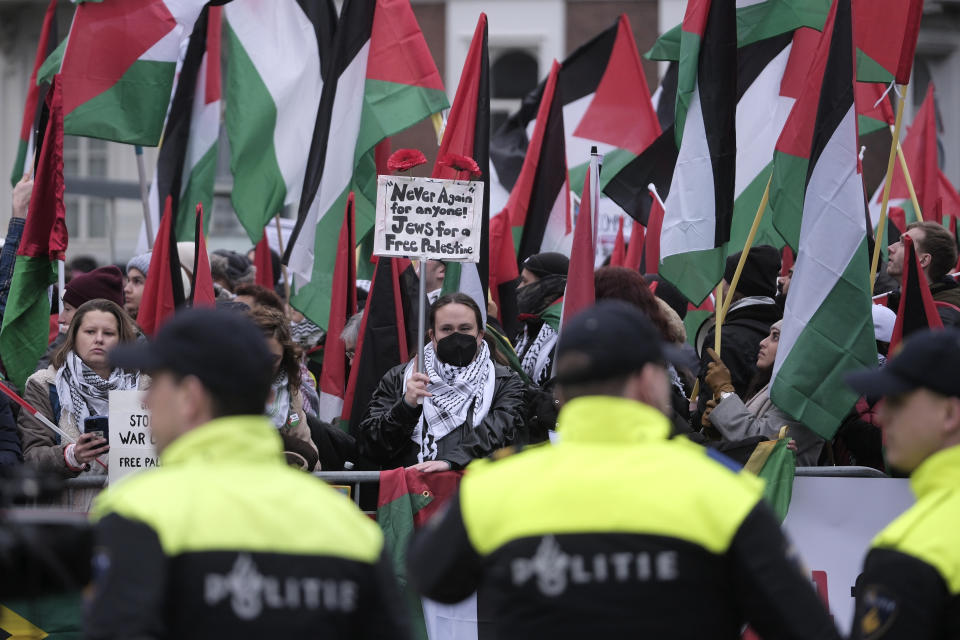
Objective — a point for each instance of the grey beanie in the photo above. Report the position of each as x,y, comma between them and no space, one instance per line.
141,262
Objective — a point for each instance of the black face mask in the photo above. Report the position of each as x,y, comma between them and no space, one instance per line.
457,349
537,296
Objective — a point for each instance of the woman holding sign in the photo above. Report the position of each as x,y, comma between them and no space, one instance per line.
461,405
73,392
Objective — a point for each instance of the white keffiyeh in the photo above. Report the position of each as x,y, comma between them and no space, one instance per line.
278,407
535,357
455,391
83,393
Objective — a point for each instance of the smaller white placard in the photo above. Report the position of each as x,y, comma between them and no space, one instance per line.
428,218
131,446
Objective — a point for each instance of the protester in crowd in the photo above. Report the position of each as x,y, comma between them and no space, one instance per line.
937,251
756,414
230,269
460,405
8,254
351,335
137,269
222,540
285,405
543,279
666,291
256,296
910,583
105,283
615,530
747,321
621,283
436,271
275,266
76,387
11,453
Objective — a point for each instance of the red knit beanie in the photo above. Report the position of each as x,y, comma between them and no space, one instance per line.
105,282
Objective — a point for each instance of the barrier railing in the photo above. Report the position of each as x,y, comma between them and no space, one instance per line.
360,481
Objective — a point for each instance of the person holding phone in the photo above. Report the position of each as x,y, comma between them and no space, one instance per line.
73,392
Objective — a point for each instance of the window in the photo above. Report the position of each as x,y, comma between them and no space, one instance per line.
514,73
87,217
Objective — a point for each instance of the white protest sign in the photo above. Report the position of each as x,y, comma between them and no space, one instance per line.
131,447
428,218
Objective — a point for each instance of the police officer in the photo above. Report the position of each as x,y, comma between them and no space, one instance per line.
910,585
223,540
618,530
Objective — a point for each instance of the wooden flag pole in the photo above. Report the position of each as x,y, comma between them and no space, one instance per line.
283,267
910,189
718,310
888,182
746,249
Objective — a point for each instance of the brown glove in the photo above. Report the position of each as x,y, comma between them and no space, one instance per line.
718,376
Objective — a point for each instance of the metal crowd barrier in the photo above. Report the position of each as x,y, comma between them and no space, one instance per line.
357,479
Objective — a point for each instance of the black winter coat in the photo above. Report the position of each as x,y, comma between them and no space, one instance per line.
385,433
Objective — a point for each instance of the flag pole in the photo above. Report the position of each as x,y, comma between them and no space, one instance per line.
718,310
910,188
144,195
888,182
746,249
595,162
283,267
421,314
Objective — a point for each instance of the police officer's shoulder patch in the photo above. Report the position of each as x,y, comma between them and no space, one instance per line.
880,609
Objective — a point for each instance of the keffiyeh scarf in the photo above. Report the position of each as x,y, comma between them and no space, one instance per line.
455,391
278,409
306,334
536,355
83,393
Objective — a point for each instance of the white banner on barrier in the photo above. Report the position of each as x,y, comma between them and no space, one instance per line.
832,522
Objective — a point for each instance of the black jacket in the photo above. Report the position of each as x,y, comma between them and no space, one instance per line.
385,434
947,290
10,452
743,330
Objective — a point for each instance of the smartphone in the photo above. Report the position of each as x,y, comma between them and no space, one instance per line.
97,425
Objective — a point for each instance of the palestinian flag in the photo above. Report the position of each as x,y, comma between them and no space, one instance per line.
634,258
380,80
117,67
619,255
202,293
917,310
773,461
539,205
274,52
26,320
885,33
699,208
920,150
580,292
333,377
874,112
606,104
756,21
34,103
187,161
827,325
407,500
383,337
163,292
263,262
467,133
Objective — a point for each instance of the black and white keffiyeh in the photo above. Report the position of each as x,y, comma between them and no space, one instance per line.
535,357
306,334
455,390
83,393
